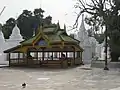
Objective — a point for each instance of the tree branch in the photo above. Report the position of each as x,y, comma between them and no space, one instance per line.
93,2
110,3
76,21
82,3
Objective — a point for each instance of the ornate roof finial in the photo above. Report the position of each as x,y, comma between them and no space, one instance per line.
16,22
1,27
82,17
40,28
34,32
64,27
40,3
82,26
58,25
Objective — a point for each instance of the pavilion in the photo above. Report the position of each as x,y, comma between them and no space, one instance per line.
50,47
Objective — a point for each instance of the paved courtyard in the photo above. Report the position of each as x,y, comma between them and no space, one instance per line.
79,78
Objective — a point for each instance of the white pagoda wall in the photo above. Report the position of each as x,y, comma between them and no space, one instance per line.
2,48
14,40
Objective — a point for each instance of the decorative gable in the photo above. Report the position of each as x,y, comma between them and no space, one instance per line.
42,42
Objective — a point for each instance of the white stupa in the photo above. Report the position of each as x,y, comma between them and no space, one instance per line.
93,43
2,48
98,50
82,36
2,41
102,51
16,34
15,37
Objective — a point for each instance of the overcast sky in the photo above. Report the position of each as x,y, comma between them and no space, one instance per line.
62,10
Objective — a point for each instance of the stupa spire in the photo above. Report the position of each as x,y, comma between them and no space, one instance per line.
33,32
2,40
64,27
65,30
82,27
58,25
82,17
82,33
39,29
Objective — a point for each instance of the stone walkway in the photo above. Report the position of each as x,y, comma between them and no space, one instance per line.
79,78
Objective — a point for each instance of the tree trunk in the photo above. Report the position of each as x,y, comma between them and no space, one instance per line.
114,57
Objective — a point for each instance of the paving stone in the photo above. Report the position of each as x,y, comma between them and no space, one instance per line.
79,78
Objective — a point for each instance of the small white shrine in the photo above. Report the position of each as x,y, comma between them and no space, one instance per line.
2,40
15,37
94,45
14,40
2,46
102,52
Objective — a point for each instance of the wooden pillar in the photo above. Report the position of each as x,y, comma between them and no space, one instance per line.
42,54
55,53
74,56
81,55
81,58
78,54
9,59
18,57
40,61
48,55
37,56
52,55
66,57
27,57
66,54
61,58
23,57
59,54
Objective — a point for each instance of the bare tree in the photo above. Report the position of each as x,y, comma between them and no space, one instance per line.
102,13
98,10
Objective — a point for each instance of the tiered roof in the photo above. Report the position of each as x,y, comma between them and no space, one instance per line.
51,33
47,36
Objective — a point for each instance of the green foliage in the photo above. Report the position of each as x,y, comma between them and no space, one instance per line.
7,28
24,23
39,13
27,22
98,37
48,20
0,26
